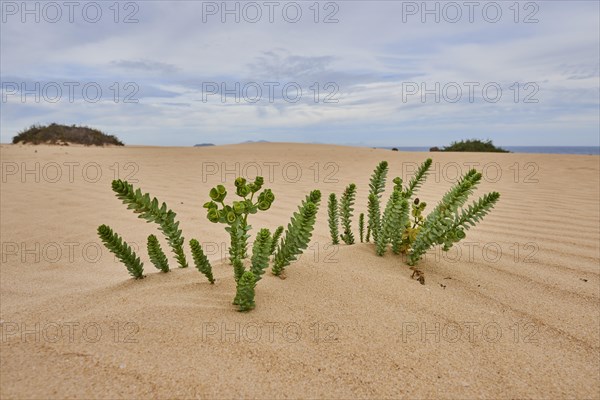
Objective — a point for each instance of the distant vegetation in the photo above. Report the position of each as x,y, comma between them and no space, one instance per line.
64,135
474,145
204,145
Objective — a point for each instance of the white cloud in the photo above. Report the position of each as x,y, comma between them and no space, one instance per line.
369,54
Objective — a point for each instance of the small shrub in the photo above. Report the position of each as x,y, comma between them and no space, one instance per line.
63,134
475,145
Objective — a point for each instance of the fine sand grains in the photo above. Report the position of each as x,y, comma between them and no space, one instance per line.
512,312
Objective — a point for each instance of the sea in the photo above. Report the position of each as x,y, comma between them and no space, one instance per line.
583,150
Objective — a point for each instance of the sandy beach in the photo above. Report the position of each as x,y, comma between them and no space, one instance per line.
511,312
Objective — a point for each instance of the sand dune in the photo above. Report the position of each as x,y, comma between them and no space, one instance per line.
512,312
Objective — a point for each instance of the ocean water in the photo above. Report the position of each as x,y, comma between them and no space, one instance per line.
586,150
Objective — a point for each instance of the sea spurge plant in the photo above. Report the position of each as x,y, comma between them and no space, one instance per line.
261,251
238,238
298,233
156,254
346,203
374,216
417,180
469,217
235,215
245,292
275,239
361,226
376,188
332,212
149,210
201,261
394,219
238,270
406,230
121,249
445,225
413,227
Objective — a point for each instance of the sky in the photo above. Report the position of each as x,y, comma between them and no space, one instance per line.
374,73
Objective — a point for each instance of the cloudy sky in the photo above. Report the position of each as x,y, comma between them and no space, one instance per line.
390,73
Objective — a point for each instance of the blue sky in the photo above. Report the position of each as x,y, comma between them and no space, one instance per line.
392,74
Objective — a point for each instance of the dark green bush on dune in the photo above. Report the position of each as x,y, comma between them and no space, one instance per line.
475,145
62,134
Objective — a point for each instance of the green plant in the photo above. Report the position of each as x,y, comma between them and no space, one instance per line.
65,134
261,251
298,233
368,238
413,227
236,214
394,218
361,226
346,203
246,283
201,261
475,145
445,225
418,179
275,239
121,249
157,256
332,209
151,212
376,188
245,292
389,228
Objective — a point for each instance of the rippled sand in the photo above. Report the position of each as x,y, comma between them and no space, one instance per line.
510,313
